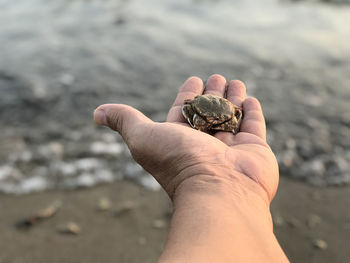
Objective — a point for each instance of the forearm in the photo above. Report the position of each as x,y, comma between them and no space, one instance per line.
215,221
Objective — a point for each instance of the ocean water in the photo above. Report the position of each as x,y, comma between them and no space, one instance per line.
61,59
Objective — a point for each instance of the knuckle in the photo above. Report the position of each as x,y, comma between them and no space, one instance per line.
115,118
114,121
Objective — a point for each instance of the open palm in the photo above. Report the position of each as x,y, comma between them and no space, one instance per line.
173,152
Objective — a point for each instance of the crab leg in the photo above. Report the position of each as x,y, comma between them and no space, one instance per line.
200,123
230,125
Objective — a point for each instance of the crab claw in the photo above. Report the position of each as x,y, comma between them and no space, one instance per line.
189,120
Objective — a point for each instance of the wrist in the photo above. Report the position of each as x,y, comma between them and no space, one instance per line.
228,186
232,191
213,178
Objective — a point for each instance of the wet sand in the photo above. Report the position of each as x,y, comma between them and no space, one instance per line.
134,236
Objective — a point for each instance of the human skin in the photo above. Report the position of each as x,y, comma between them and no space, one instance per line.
221,185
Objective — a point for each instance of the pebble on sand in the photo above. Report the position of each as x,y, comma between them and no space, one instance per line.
125,207
104,204
40,215
71,228
320,244
159,224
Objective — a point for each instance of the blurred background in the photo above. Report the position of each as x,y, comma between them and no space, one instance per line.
60,59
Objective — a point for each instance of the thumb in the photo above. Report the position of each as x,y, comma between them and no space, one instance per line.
121,118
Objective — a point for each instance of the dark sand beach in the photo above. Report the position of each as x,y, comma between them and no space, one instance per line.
138,235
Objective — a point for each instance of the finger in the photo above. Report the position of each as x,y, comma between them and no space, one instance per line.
215,85
191,88
253,121
124,119
236,92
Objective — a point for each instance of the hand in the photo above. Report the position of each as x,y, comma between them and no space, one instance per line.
176,154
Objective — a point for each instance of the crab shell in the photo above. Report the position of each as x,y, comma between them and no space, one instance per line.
213,111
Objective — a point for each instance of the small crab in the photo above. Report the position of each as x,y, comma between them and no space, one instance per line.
210,113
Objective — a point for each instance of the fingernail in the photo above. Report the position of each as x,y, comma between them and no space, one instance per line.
100,117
